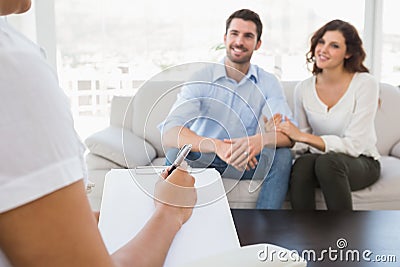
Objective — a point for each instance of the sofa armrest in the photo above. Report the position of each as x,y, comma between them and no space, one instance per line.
396,150
121,146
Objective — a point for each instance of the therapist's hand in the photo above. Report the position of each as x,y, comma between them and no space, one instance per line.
175,195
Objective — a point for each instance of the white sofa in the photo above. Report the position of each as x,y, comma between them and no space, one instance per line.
132,139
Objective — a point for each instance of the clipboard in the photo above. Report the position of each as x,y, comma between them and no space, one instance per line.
127,204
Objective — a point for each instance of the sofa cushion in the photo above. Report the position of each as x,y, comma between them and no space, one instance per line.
158,161
121,146
121,112
151,106
387,130
96,162
239,195
385,191
288,88
396,150
384,194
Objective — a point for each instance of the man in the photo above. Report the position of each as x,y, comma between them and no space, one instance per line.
219,110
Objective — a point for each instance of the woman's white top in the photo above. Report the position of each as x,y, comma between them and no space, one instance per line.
347,127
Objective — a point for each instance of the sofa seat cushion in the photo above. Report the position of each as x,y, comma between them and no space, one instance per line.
239,192
386,191
160,161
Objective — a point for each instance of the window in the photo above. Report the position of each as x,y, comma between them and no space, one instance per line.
142,38
108,47
390,69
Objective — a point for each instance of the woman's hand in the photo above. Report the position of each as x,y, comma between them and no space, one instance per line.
271,124
288,128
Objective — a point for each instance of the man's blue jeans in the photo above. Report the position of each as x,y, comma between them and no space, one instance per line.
273,165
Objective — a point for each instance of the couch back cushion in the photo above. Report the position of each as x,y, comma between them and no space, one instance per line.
288,88
151,106
388,118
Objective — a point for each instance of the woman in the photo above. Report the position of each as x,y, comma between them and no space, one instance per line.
335,111
45,217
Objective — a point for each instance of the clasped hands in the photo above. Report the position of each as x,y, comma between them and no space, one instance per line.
285,127
241,152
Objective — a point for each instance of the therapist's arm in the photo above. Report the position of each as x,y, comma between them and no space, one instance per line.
59,229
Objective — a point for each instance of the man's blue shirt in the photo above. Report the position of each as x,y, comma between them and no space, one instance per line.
213,105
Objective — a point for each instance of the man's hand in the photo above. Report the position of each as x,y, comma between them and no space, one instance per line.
176,195
223,150
244,151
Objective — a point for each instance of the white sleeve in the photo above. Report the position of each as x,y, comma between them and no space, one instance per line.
40,151
360,134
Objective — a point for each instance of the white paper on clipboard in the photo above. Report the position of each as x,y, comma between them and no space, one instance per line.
127,205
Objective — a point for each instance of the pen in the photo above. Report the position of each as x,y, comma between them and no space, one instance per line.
180,157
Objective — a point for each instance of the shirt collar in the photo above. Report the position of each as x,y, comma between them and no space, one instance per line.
220,72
